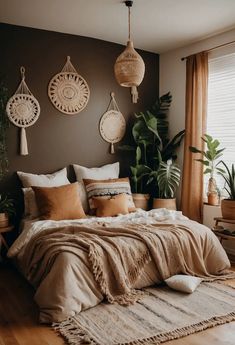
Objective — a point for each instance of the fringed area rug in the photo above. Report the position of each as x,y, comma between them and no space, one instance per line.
162,315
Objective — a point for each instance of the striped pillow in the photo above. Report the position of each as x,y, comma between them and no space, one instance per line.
108,188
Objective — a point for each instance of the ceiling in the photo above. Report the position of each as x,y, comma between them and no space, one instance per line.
157,25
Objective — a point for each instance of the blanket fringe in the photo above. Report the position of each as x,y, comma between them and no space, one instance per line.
74,335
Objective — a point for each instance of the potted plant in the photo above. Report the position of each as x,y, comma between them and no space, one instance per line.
228,204
167,180
7,210
211,163
150,135
6,204
4,124
139,172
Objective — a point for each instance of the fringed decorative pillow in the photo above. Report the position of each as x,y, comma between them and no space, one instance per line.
111,207
107,188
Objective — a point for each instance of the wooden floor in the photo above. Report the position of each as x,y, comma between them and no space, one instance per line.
19,318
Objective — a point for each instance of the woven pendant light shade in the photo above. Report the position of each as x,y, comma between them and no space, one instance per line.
129,67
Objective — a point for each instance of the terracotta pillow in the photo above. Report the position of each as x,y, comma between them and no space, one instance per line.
59,203
108,188
113,206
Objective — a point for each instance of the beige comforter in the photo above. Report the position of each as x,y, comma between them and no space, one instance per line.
74,267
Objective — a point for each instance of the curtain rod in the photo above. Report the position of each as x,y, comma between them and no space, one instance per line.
209,50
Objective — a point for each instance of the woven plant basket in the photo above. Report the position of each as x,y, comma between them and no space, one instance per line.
4,220
169,204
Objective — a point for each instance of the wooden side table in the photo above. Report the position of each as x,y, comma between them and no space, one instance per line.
2,231
221,234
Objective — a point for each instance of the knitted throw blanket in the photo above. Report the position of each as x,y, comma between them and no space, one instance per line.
114,263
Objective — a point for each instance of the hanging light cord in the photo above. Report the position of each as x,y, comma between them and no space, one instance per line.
129,23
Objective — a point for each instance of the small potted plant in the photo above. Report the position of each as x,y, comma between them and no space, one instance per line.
228,204
166,180
7,210
211,163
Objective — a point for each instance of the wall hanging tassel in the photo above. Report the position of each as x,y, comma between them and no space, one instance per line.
112,124
23,143
112,151
23,110
134,94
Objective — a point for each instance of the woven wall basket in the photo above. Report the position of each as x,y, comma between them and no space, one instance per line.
23,110
112,124
68,91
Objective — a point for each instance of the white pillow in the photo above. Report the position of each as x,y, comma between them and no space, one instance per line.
105,172
59,178
31,210
184,283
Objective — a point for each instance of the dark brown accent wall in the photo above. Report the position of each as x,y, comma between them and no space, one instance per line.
58,140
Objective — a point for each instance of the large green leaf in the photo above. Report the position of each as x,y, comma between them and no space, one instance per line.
168,178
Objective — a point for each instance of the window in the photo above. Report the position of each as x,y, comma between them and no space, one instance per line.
221,107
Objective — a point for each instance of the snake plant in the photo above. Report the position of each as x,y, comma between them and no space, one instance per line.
229,177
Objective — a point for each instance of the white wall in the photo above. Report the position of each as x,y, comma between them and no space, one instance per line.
172,78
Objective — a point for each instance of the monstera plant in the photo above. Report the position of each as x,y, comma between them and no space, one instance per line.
150,134
167,180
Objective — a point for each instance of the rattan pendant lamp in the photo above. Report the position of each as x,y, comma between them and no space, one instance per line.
129,67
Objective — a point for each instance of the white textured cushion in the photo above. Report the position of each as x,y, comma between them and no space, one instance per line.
102,173
57,179
31,210
184,283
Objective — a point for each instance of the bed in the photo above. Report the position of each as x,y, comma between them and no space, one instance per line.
75,264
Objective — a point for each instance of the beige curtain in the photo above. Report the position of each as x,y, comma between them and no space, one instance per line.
195,126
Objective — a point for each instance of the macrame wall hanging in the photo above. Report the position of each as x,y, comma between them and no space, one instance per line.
112,124
23,110
68,91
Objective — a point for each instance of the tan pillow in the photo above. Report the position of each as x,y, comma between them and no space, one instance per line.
59,203
113,206
108,188
31,210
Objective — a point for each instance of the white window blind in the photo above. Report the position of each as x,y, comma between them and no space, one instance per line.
221,107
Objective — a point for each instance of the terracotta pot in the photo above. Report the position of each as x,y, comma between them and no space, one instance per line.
170,204
213,199
141,200
228,209
4,220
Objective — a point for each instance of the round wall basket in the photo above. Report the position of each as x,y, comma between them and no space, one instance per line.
23,110
68,91
112,124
